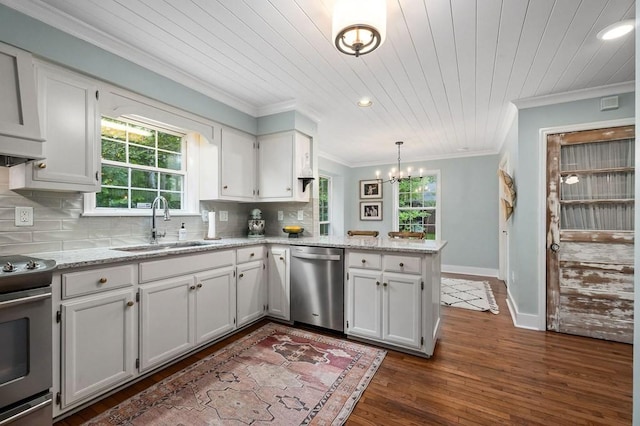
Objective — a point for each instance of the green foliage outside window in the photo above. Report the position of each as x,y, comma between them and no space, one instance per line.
417,205
138,164
324,205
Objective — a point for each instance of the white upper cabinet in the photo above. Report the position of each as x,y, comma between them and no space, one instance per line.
283,158
68,105
19,124
237,166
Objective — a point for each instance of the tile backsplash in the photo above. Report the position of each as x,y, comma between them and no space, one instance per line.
59,225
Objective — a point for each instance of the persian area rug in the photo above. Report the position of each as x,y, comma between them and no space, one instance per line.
277,375
467,294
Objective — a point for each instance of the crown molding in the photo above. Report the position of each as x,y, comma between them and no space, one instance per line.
67,24
575,95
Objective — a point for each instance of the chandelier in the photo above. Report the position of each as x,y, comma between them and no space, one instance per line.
397,175
359,26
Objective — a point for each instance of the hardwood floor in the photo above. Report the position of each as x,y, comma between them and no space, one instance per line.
484,371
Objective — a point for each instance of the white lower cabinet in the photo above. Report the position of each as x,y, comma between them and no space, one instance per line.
278,287
250,292
98,338
385,306
215,304
166,320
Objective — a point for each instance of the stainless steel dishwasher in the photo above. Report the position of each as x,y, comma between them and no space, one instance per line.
317,286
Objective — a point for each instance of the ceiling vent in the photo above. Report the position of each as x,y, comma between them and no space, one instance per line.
610,102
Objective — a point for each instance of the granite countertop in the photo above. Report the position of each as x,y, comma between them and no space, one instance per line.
97,256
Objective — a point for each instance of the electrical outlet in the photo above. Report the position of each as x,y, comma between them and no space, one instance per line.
300,214
280,215
24,216
205,216
224,216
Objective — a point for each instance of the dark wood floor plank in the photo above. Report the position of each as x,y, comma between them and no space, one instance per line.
484,372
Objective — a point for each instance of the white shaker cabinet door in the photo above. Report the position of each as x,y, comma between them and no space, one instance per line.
166,320
364,317
68,106
250,293
402,309
237,178
215,304
98,344
278,299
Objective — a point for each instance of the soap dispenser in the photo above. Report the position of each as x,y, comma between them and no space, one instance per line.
182,233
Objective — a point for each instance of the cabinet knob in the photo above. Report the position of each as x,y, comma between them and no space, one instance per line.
102,280
364,261
288,189
199,285
225,187
377,282
384,284
42,165
241,275
130,303
282,258
401,264
252,254
193,287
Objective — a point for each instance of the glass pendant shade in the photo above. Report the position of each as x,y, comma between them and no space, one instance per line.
359,26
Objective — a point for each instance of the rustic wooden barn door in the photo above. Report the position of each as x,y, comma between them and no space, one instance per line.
590,213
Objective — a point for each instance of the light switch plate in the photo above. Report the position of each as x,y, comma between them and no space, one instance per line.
280,215
24,216
224,216
300,214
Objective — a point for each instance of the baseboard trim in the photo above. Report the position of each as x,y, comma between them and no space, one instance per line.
470,270
520,320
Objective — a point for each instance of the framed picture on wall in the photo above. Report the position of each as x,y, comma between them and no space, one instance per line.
371,210
370,189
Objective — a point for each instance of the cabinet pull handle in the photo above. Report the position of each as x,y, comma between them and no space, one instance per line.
130,303
199,285
97,176
401,264
377,282
193,287
364,261
384,284
102,280
42,165
241,275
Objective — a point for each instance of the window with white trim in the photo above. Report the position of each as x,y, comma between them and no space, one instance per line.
141,161
417,205
325,199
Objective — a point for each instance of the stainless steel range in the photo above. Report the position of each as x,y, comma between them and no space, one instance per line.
25,333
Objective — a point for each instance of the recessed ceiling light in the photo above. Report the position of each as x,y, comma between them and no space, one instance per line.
616,30
365,102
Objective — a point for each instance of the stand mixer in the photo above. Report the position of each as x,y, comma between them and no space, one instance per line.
256,224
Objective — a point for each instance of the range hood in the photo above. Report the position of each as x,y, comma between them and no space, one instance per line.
20,137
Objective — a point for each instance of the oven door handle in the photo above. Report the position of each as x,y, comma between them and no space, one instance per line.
28,299
25,412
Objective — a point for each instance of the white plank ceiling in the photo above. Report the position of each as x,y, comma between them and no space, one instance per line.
443,81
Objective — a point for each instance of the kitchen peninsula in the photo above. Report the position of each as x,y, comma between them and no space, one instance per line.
122,313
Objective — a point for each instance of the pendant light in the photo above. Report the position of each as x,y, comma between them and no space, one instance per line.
359,26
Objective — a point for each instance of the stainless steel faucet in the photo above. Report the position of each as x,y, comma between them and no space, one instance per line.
158,201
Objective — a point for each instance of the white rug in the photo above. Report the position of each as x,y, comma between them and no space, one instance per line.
474,295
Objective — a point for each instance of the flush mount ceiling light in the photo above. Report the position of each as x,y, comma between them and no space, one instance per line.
617,30
359,26
365,102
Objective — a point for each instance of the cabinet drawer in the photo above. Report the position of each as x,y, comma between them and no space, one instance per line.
96,280
365,260
183,265
249,254
405,264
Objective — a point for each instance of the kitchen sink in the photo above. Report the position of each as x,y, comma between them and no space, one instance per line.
162,247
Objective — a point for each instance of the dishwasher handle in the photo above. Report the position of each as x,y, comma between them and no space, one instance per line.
317,256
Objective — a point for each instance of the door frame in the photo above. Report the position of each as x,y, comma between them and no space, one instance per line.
504,228
542,201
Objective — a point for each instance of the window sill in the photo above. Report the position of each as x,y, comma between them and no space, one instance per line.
141,213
